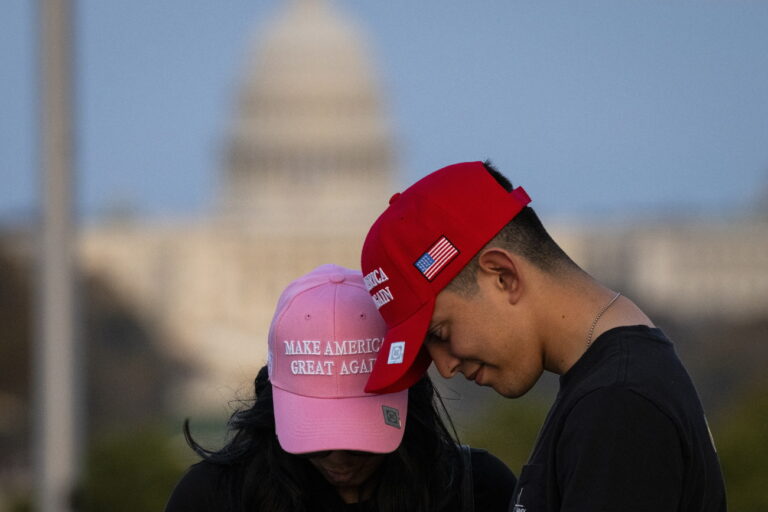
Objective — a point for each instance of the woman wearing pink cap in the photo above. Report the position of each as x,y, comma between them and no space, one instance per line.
315,440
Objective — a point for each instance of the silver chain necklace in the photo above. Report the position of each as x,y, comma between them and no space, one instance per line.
597,318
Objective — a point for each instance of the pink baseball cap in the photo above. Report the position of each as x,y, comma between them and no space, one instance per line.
323,342
416,247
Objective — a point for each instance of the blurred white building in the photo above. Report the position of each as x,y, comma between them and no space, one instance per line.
687,270
309,167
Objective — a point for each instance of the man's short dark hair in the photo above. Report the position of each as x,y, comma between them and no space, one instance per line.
524,235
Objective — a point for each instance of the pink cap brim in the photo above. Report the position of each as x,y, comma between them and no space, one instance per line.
308,424
389,378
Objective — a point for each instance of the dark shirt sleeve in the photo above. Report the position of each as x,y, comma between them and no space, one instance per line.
197,491
493,482
619,452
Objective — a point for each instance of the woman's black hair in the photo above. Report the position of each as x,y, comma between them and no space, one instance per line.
420,476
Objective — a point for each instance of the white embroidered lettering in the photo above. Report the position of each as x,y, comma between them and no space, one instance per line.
352,347
366,365
357,366
302,347
312,367
382,296
375,278
332,349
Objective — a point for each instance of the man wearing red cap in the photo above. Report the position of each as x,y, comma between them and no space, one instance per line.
466,276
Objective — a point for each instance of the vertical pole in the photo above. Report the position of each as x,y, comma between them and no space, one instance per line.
56,453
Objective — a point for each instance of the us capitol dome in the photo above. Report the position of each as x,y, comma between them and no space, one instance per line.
309,147
307,166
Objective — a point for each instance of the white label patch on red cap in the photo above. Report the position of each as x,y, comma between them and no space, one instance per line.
396,352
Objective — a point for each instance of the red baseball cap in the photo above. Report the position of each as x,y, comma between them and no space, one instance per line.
416,247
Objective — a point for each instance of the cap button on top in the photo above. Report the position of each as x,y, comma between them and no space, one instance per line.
394,197
336,278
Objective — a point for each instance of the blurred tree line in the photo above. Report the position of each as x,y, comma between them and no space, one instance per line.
132,460
133,453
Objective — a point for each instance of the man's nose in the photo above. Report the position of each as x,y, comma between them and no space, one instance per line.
447,364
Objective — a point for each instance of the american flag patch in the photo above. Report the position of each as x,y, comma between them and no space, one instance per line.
438,256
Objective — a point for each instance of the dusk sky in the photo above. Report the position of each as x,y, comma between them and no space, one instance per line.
607,108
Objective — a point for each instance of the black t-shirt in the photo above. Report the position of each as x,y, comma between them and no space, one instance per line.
198,489
626,432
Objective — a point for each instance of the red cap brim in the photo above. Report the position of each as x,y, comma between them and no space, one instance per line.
389,375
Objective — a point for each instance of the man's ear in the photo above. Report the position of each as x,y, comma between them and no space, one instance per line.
504,268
